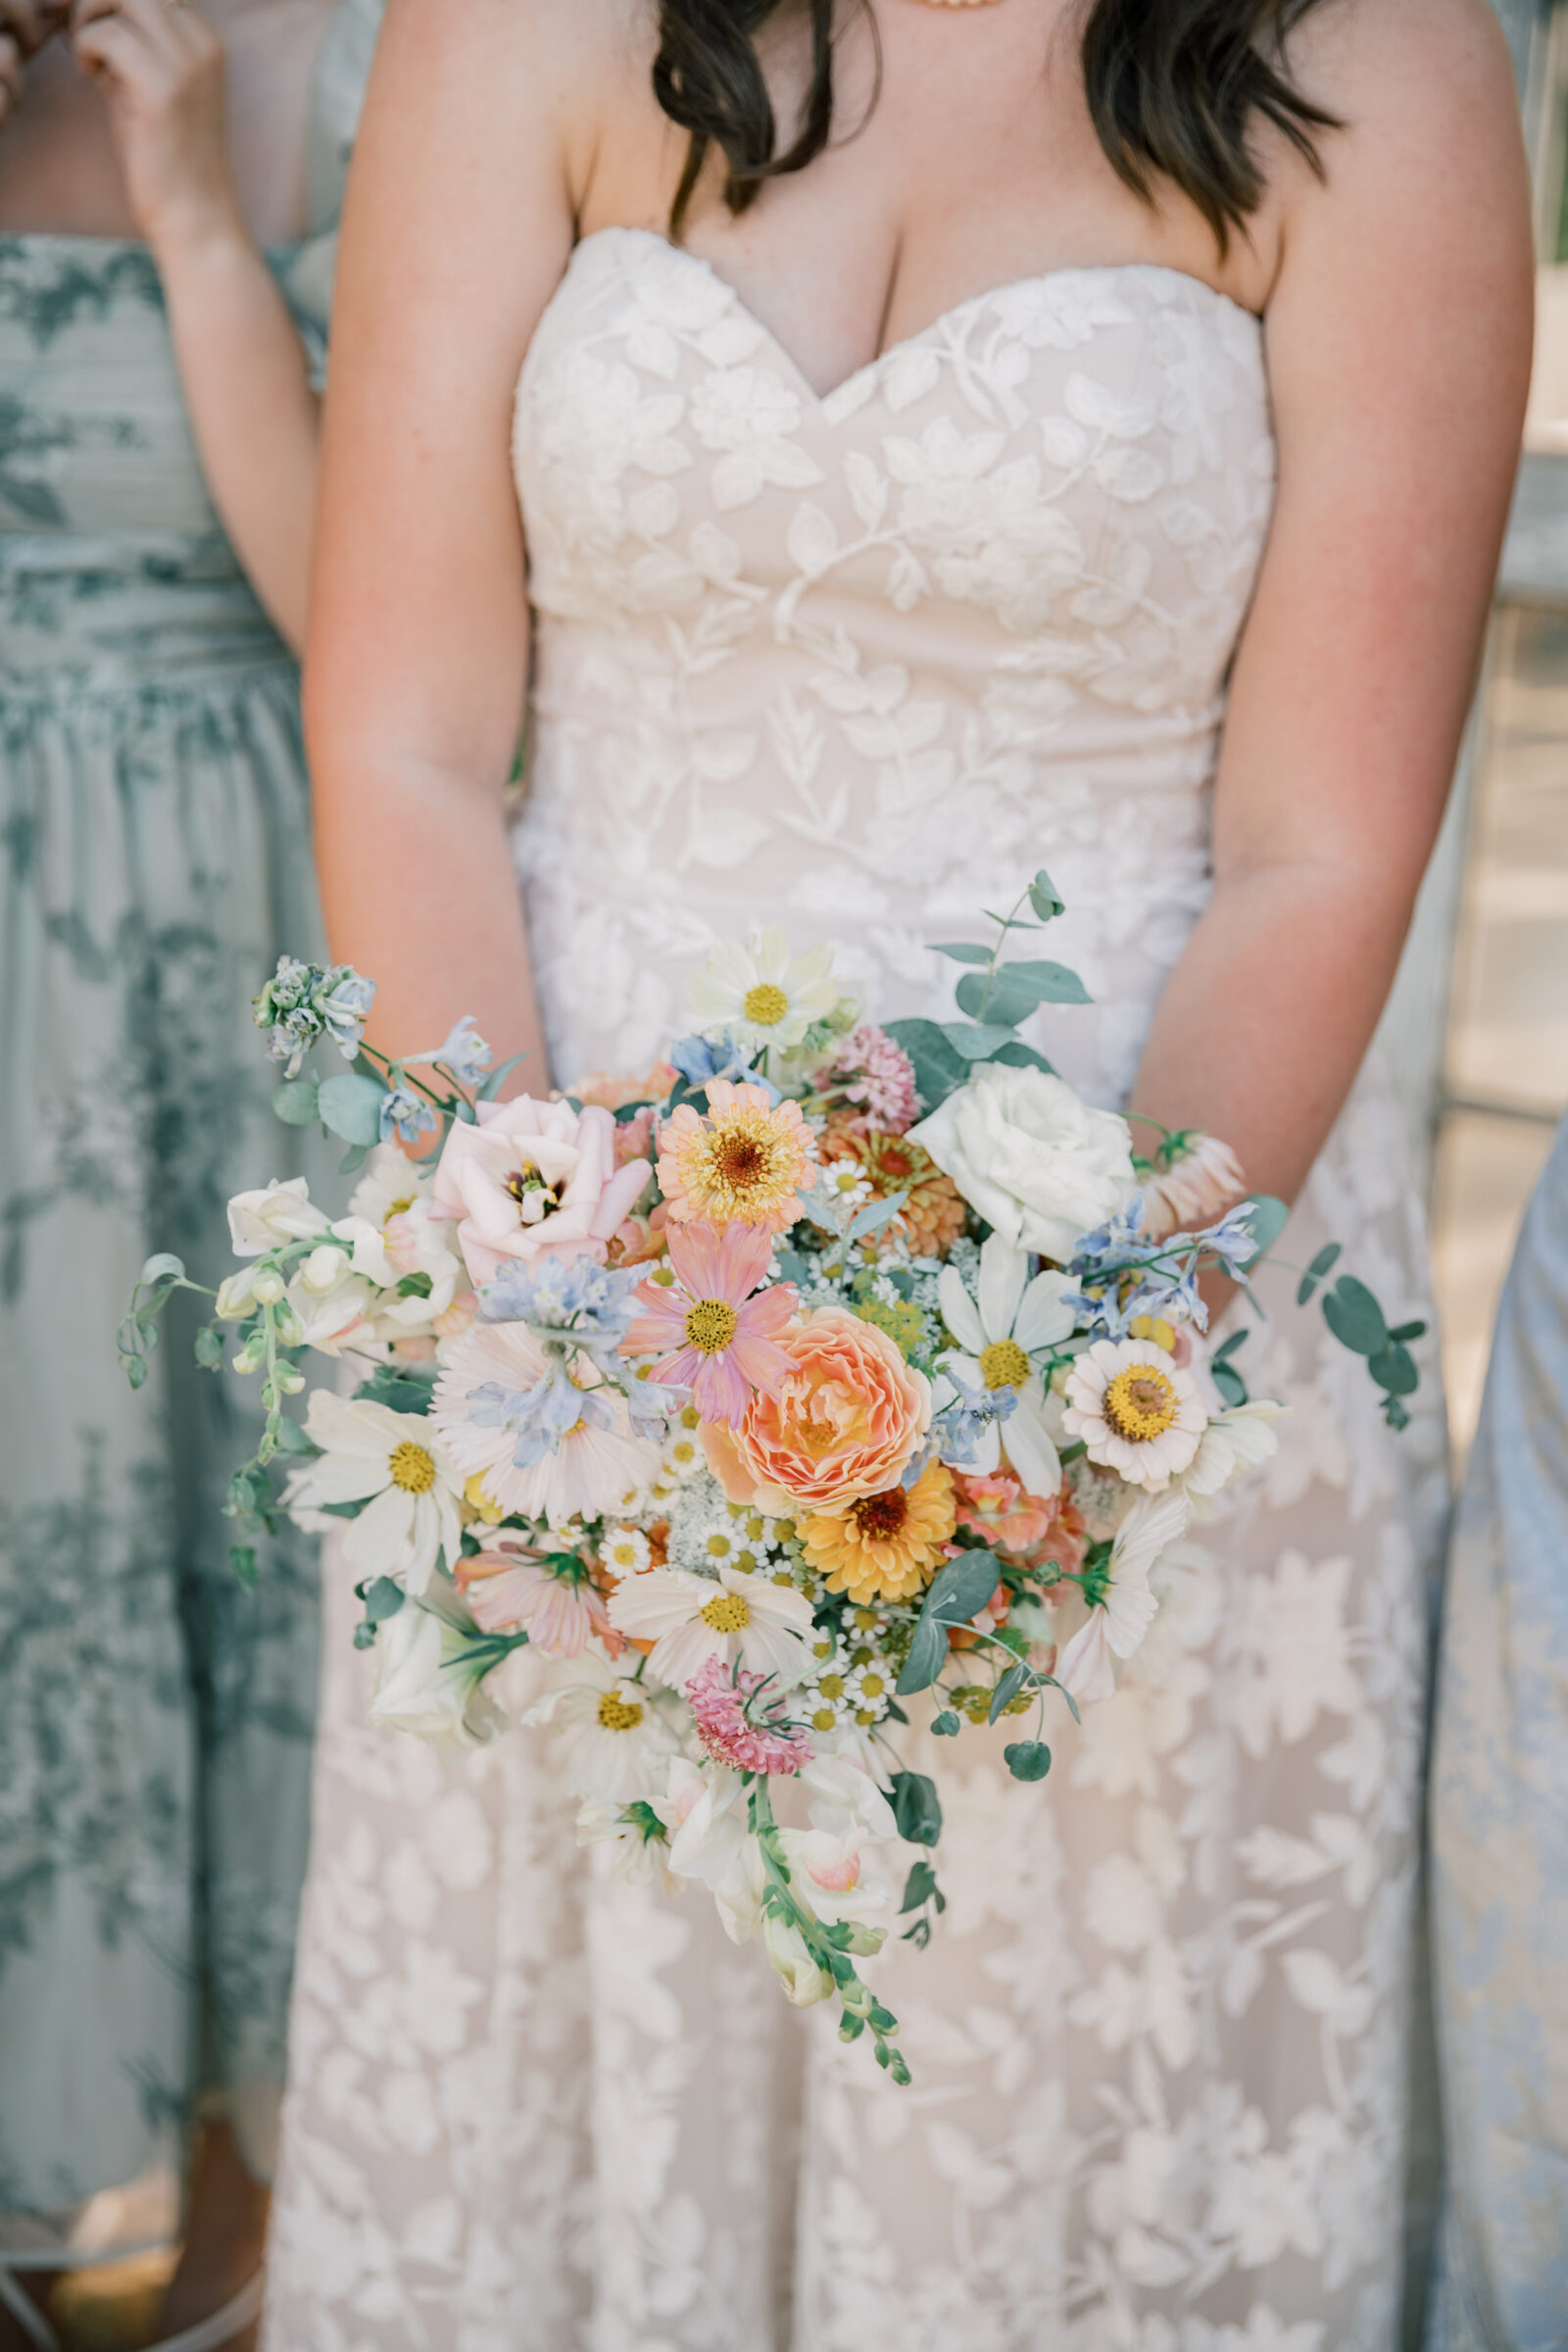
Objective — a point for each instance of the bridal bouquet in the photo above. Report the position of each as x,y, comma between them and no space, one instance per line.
828,1383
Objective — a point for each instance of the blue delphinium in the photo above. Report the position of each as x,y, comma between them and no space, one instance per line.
540,1416
464,1053
702,1060
956,1431
405,1114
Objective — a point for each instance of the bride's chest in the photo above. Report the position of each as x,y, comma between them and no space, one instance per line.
1067,470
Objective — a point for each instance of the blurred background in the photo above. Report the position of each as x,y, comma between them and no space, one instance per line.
1479,1025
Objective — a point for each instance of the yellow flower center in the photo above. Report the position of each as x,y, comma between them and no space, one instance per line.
528,1183
823,1720
726,1613
399,1209
618,1714
1004,1365
765,1004
831,1685
412,1468
477,1496
1141,1403
711,1326
1156,1328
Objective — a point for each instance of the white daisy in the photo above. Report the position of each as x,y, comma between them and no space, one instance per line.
1123,1607
1235,1444
1014,1320
624,1551
614,1745
1135,1410
398,1467
691,1619
762,997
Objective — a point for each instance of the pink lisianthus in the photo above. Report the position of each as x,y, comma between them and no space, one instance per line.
739,1730
709,1331
998,1507
507,1587
534,1180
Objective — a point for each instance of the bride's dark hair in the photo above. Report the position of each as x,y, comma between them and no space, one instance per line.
1173,86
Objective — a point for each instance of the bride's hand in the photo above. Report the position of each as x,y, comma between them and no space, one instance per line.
162,71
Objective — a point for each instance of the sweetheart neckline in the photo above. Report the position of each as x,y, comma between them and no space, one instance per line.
906,343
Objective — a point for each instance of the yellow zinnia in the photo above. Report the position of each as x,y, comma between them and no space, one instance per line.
886,1547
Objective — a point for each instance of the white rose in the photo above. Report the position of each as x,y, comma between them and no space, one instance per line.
428,1683
264,1220
1038,1164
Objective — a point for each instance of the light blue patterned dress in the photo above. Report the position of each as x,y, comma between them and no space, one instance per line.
1499,1829
155,1718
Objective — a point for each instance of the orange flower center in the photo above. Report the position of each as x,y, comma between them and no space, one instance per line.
882,1518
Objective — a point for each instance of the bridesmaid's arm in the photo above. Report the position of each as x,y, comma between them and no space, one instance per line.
456,229
1398,346
242,368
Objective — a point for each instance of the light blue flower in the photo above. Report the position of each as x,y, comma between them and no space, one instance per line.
405,1114
701,1059
540,1415
464,1053
956,1431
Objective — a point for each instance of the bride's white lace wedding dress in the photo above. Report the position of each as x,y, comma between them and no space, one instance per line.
860,663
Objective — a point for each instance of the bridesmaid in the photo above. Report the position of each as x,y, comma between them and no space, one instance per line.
1500,1858
165,260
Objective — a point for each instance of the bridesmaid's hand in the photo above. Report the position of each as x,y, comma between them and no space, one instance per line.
161,68
25,26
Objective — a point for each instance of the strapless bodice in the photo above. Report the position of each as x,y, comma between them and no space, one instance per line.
861,662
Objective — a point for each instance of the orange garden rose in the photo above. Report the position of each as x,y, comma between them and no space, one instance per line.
849,1416
886,1547
932,1217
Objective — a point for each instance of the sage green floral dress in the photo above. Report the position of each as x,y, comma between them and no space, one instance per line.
155,858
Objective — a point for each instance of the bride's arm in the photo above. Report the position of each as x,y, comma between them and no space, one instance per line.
1398,349
457,227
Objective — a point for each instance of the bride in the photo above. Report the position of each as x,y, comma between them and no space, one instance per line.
880,447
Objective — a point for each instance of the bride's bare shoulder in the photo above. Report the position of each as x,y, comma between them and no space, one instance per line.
1423,169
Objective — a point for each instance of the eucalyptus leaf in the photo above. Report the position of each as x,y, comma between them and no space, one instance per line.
976,1041
1394,1368
354,1159
163,1267
351,1106
928,1652
1354,1317
1053,983
1267,1218
1045,898
1407,1332
937,1069
493,1080
1230,1384
1007,1690
946,1724
242,1559
208,1347
297,1101
961,1590
875,1215
1326,1258
998,997
1020,1057
1027,1759
963,951
916,1808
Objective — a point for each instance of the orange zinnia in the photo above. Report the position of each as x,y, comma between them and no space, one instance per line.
886,1547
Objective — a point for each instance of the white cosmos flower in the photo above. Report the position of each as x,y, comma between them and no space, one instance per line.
1235,1444
429,1680
1136,1410
760,996
691,1619
397,1466
593,1469
1013,1319
614,1743
281,1213
1125,1608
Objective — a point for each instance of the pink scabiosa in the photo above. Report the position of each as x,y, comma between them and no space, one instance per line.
741,1728
709,1333
871,1083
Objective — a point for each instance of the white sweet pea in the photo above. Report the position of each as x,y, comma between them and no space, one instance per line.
1013,1321
802,1978
643,1861
1039,1164
333,1316
705,1814
397,1465
841,1796
1123,1612
428,1681
280,1212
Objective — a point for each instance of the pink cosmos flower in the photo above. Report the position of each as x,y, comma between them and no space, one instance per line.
534,1180
506,1588
710,1334
736,1730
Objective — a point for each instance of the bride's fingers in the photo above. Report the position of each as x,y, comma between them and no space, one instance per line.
110,46
31,23
172,33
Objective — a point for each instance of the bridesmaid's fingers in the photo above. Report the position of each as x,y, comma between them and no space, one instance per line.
10,78
110,47
31,23
168,30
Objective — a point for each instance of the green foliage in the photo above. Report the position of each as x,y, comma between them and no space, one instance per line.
350,1106
1007,1690
1229,1382
297,1101
1267,1218
1325,1259
405,1392
916,1808
957,1591
1027,1759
